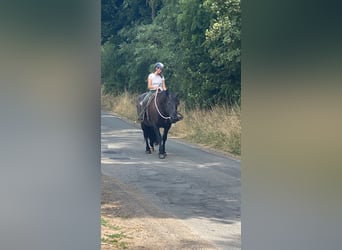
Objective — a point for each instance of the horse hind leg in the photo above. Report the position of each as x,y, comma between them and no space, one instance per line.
151,145
146,137
151,139
148,149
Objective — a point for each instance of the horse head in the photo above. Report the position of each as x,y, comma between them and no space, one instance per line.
171,103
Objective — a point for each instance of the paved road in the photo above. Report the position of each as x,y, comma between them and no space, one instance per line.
199,187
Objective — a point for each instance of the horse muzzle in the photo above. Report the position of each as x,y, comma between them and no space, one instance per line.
177,117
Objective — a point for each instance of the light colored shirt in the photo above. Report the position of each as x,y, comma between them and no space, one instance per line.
157,80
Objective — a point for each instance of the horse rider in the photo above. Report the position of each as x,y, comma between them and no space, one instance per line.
155,81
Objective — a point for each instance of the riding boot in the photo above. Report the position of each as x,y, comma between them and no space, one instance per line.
142,111
141,114
143,104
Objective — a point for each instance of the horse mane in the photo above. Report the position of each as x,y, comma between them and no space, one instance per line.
167,94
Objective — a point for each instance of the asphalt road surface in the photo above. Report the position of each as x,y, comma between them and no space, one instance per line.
197,186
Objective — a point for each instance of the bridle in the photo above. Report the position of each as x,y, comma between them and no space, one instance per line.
155,104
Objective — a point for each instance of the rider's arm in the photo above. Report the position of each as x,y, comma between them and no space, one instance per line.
164,85
149,83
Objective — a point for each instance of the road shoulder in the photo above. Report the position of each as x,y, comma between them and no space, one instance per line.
131,222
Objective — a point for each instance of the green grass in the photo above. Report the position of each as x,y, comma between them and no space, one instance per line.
116,237
108,225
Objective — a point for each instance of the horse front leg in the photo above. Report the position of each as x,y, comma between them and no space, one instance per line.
162,152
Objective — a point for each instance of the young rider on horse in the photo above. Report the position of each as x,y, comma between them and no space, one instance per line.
155,81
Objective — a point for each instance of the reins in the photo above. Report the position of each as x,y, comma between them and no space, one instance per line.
155,103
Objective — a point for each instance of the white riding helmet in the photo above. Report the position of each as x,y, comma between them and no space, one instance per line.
159,65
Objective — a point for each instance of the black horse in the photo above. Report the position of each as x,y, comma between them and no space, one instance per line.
161,112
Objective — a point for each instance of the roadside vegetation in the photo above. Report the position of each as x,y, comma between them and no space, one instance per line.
112,236
198,41
218,128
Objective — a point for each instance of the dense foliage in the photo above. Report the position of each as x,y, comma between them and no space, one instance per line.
199,42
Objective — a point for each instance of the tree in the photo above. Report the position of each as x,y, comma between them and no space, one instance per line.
197,40
119,14
223,41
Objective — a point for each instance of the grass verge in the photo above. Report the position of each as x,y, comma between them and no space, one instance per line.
112,236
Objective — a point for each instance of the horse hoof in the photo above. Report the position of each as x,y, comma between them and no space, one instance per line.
152,149
148,151
162,156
